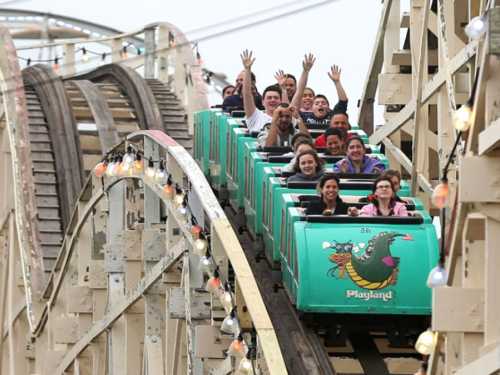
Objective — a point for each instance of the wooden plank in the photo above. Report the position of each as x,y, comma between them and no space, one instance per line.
486,364
375,67
457,309
102,114
492,281
484,169
119,308
489,138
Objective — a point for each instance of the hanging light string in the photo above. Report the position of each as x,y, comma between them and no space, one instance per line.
122,164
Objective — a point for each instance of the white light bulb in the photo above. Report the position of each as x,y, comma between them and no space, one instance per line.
226,301
182,210
476,27
426,342
229,325
205,264
200,246
160,176
245,367
150,172
110,169
179,198
462,118
437,277
128,162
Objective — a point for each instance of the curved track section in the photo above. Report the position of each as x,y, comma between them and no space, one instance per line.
55,156
137,90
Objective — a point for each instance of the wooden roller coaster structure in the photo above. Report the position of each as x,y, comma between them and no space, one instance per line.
98,275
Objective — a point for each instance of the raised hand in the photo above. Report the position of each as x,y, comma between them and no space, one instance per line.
334,73
294,112
247,59
308,62
280,77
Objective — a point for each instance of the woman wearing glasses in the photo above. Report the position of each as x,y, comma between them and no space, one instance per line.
383,202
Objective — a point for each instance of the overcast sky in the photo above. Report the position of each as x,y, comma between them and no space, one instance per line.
341,32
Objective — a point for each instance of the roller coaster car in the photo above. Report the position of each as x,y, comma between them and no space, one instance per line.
359,265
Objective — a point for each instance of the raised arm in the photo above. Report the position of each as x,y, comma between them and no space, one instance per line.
334,75
307,64
248,100
300,123
281,79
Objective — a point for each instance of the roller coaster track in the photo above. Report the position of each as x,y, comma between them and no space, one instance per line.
82,228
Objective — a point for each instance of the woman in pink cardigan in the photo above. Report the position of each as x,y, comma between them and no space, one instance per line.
383,201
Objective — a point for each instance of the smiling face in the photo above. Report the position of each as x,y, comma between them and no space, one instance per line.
320,107
340,121
335,145
271,101
330,191
307,99
383,190
355,150
284,119
307,165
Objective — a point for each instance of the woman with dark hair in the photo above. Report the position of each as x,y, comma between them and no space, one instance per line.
308,167
383,201
228,91
329,202
356,160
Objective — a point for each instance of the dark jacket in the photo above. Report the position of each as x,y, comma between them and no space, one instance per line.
299,177
316,207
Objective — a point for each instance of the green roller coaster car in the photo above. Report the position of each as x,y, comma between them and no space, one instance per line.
363,265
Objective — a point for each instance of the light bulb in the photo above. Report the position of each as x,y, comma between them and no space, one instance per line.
160,176
200,246
118,171
462,118
440,195
245,367
179,197
226,300
85,56
138,165
195,231
237,348
476,27
213,285
437,277
182,209
128,162
206,264
100,169
230,324
150,172
426,342
168,190
110,170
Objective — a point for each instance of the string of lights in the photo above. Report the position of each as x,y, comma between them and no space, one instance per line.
132,163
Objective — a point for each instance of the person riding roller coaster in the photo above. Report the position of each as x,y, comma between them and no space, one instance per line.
383,202
320,113
329,202
308,167
356,160
271,97
285,124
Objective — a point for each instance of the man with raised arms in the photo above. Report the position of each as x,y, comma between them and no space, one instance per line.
271,98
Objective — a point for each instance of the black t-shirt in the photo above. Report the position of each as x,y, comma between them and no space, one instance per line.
324,122
316,207
235,103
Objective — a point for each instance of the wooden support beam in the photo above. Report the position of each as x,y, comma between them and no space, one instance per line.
121,306
457,310
489,138
375,67
488,364
428,90
484,169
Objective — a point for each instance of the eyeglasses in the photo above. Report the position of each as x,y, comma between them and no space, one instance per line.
384,187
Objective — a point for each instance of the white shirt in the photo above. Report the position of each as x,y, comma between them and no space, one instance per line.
256,122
